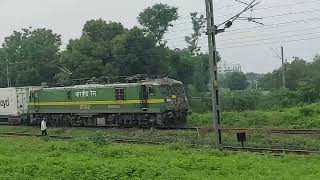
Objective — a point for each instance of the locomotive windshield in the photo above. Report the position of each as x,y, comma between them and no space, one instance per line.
175,89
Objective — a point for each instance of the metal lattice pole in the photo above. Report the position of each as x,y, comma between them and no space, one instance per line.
283,69
211,32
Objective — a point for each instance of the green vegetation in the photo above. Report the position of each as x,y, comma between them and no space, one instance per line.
307,116
249,100
157,19
300,75
202,138
33,158
235,81
265,92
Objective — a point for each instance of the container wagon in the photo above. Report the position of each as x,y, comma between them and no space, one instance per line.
14,104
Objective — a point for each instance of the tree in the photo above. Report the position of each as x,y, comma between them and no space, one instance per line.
33,55
133,53
236,81
157,19
90,55
99,30
198,24
108,49
3,73
296,72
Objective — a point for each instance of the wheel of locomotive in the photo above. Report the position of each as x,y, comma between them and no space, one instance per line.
169,119
181,119
135,123
120,122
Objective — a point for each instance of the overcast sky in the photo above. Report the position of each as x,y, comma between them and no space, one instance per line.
295,24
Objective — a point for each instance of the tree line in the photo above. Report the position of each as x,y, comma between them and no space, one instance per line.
109,49
252,91
106,49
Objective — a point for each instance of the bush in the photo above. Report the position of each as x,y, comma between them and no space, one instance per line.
100,139
307,111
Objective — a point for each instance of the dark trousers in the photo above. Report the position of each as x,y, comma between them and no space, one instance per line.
44,133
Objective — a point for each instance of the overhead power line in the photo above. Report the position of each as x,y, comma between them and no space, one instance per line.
267,39
276,6
272,34
256,9
252,36
268,43
257,27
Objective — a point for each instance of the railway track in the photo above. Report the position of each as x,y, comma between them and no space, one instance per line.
210,129
271,150
229,148
264,130
275,130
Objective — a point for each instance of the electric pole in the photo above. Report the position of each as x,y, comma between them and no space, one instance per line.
211,32
283,69
283,66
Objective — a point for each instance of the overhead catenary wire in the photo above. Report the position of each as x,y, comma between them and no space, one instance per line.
272,34
242,29
252,36
255,28
268,43
265,17
270,38
272,7
270,26
296,30
256,9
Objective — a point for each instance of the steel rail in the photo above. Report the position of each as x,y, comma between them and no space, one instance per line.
132,141
271,150
265,130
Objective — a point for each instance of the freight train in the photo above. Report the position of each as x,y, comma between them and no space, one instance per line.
133,103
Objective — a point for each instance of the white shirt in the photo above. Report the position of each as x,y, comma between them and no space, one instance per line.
43,125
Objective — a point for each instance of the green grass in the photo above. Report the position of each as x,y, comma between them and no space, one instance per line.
187,138
34,158
299,117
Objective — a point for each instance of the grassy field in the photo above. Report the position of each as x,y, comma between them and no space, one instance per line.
36,158
188,138
307,116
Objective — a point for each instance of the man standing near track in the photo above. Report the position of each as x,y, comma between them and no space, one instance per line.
44,127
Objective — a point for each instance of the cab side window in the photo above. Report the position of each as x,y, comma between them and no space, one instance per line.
69,95
151,91
31,96
120,93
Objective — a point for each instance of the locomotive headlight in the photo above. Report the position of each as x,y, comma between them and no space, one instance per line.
174,99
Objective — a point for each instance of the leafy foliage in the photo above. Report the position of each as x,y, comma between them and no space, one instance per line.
157,19
32,55
198,25
236,81
299,74
99,30
303,117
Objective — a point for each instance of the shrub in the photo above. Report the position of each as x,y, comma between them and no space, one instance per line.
100,139
306,111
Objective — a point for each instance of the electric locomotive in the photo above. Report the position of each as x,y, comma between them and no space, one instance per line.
143,102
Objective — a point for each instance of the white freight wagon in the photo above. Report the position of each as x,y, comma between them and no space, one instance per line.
14,103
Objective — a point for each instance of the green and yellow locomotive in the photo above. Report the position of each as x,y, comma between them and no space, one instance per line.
147,102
